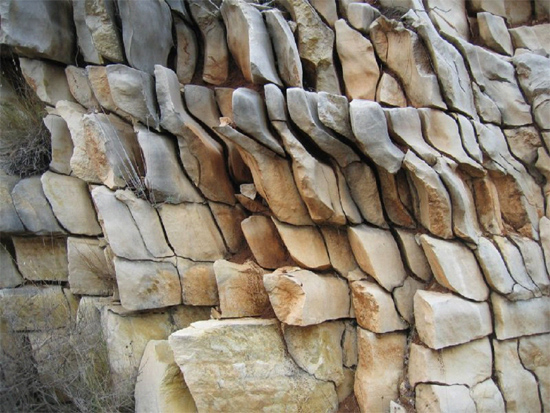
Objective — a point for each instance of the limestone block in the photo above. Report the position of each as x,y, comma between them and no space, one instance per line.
62,145
533,353
517,384
374,308
141,22
380,369
361,16
524,143
494,7
400,49
184,315
9,219
333,112
264,241
79,87
41,258
403,297
494,269
533,257
248,356
520,318
534,38
339,250
488,205
97,78
415,258
389,91
164,177
494,33
468,364
89,270
545,240
187,50
444,320
487,397
229,220
47,80
48,30
201,103
146,284
249,42
160,386
449,16
436,398
198,282
192,231
326,9
287,56
241,289
317,349
33,208
378,255
349,345
10,276
299,296
31,308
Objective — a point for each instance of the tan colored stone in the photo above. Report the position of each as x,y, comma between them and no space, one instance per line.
42,258
488,205
187,50
198,282
533,257
524,143
403,298
47,80
79,87
469,139
533,353
545,240
519,318
184,315
299,296
491,262
62,145
349,345
361,15
444,320
264,241
97,77
436,398
89,271
487,397
534,38
397,211
229,220
9,276
339,250
100,19
389,91
200,101
351,210
415,258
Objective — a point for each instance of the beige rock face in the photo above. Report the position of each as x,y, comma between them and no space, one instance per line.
333,112
378,255
389,91
545,240
380,369
47,80
317,349
253,367
374,308
468,364
187,50
534,356
404,298
10,276
518,385
519,318
494,33
361,16
229,220
524,143
198,283
241,289
488,206
264,241
89,271
433,397
533,258
415,258
534,38
299,296
438,316
160,386
79,87
339,250
62,145
487,397
449,16
9,219
42,258
494,269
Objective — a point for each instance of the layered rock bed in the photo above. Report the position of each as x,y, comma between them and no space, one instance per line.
294,205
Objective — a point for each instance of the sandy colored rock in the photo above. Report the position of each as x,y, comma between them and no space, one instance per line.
396,198
524,143
534,38
545,240
415,258
272,380
299,296
229,220
333,112
241,289
47,80
97,78
533,258
339,250
403,298
62,145
494,269
361,16
374,308
89,271
380,369
77,79
534,356
436,398
187,50
198,282
444,320
378,255
317,349
519,318
488,205
9,219
41,258
264,241
487,397
10,276
389,91
449,16
349,345
494,33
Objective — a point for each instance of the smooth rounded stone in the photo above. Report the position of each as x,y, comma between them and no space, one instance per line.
433,205
229,220
524,143
10,222
534,38
247,355
160,385
89,271
41,258
374,308
141,22
333,112
449,16
317,349
198,283
437,398
10,276
415,258
249,42
48,29
444,320
468,364
494,269
371,132
305,245
339,250
389,91
249,115
361,16
533,258
62,145
192,231
315,45
119,226
487,397
380,369
264,241
378,255
533,352
164,176
404,54
71,203
241,289
133,91
208,18
403,298
299,296
32,308
145,285
359,67
79,87
494,33
47,80
517,384
520,318
126,335
287,56
33,208
187,50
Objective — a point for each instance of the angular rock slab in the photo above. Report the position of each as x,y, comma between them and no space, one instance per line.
494,268
77,78
433,397
198,283
42,258
449,16
10,276
520,318
9,219
229,220
403,297
494,33
62,145
89,271
533,352
187,50
252,365
415,258
333,112
487,397
299,296
444,320
264,241
47,80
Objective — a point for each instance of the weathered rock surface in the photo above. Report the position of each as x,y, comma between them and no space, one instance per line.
187,50
264,241
62,145
10,276
533,258
415,258
389,91
79,87
519,318
494,269
198,283
333,112
339,250
433,397
41,258
534,356
89,271
47,80
299,296
9,219
494,33
361,16
271,379
487,397
449,16
534,38
229,218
